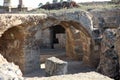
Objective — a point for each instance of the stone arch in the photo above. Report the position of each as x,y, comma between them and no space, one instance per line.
32,38
11,45
75,43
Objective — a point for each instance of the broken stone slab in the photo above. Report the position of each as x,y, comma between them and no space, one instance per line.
55,66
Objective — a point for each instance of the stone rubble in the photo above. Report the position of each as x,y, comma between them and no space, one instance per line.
9,71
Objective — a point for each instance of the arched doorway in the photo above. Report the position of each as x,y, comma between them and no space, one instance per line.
57,36
53,42
77,44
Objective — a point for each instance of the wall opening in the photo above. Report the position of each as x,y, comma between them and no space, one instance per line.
57,37
53,42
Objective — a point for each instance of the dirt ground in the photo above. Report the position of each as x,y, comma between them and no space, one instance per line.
73,66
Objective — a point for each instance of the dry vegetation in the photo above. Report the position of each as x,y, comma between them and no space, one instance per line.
94,6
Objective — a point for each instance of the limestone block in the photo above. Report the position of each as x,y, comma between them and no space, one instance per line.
55,66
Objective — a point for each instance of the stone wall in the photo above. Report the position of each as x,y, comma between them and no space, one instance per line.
106,18
45,38
11,45
109,64
102,20
25,42
105,24
78,40
117,45
16,42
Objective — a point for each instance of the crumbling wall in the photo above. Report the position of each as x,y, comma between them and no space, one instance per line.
117,45
45,38
32,48
25,37
109,61
106,18
79,43
11,45
15,40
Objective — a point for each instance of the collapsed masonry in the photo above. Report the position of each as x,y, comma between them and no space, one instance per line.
22,36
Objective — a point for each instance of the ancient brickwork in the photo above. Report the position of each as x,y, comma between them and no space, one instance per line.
13,43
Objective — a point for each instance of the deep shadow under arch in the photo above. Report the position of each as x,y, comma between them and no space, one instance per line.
57,29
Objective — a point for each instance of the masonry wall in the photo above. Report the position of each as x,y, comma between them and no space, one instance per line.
11,46
46,40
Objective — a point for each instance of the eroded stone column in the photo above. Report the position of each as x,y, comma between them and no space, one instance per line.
32,49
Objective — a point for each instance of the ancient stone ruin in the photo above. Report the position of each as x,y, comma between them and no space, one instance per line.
89,37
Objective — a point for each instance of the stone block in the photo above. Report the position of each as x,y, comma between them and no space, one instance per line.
55,66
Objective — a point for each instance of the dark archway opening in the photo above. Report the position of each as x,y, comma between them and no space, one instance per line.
54,31
53,43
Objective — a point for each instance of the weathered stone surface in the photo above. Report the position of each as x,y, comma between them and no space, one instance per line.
109,64
27,21
107,18
16,44
117,45
55,66
9,20
9,71
80,76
